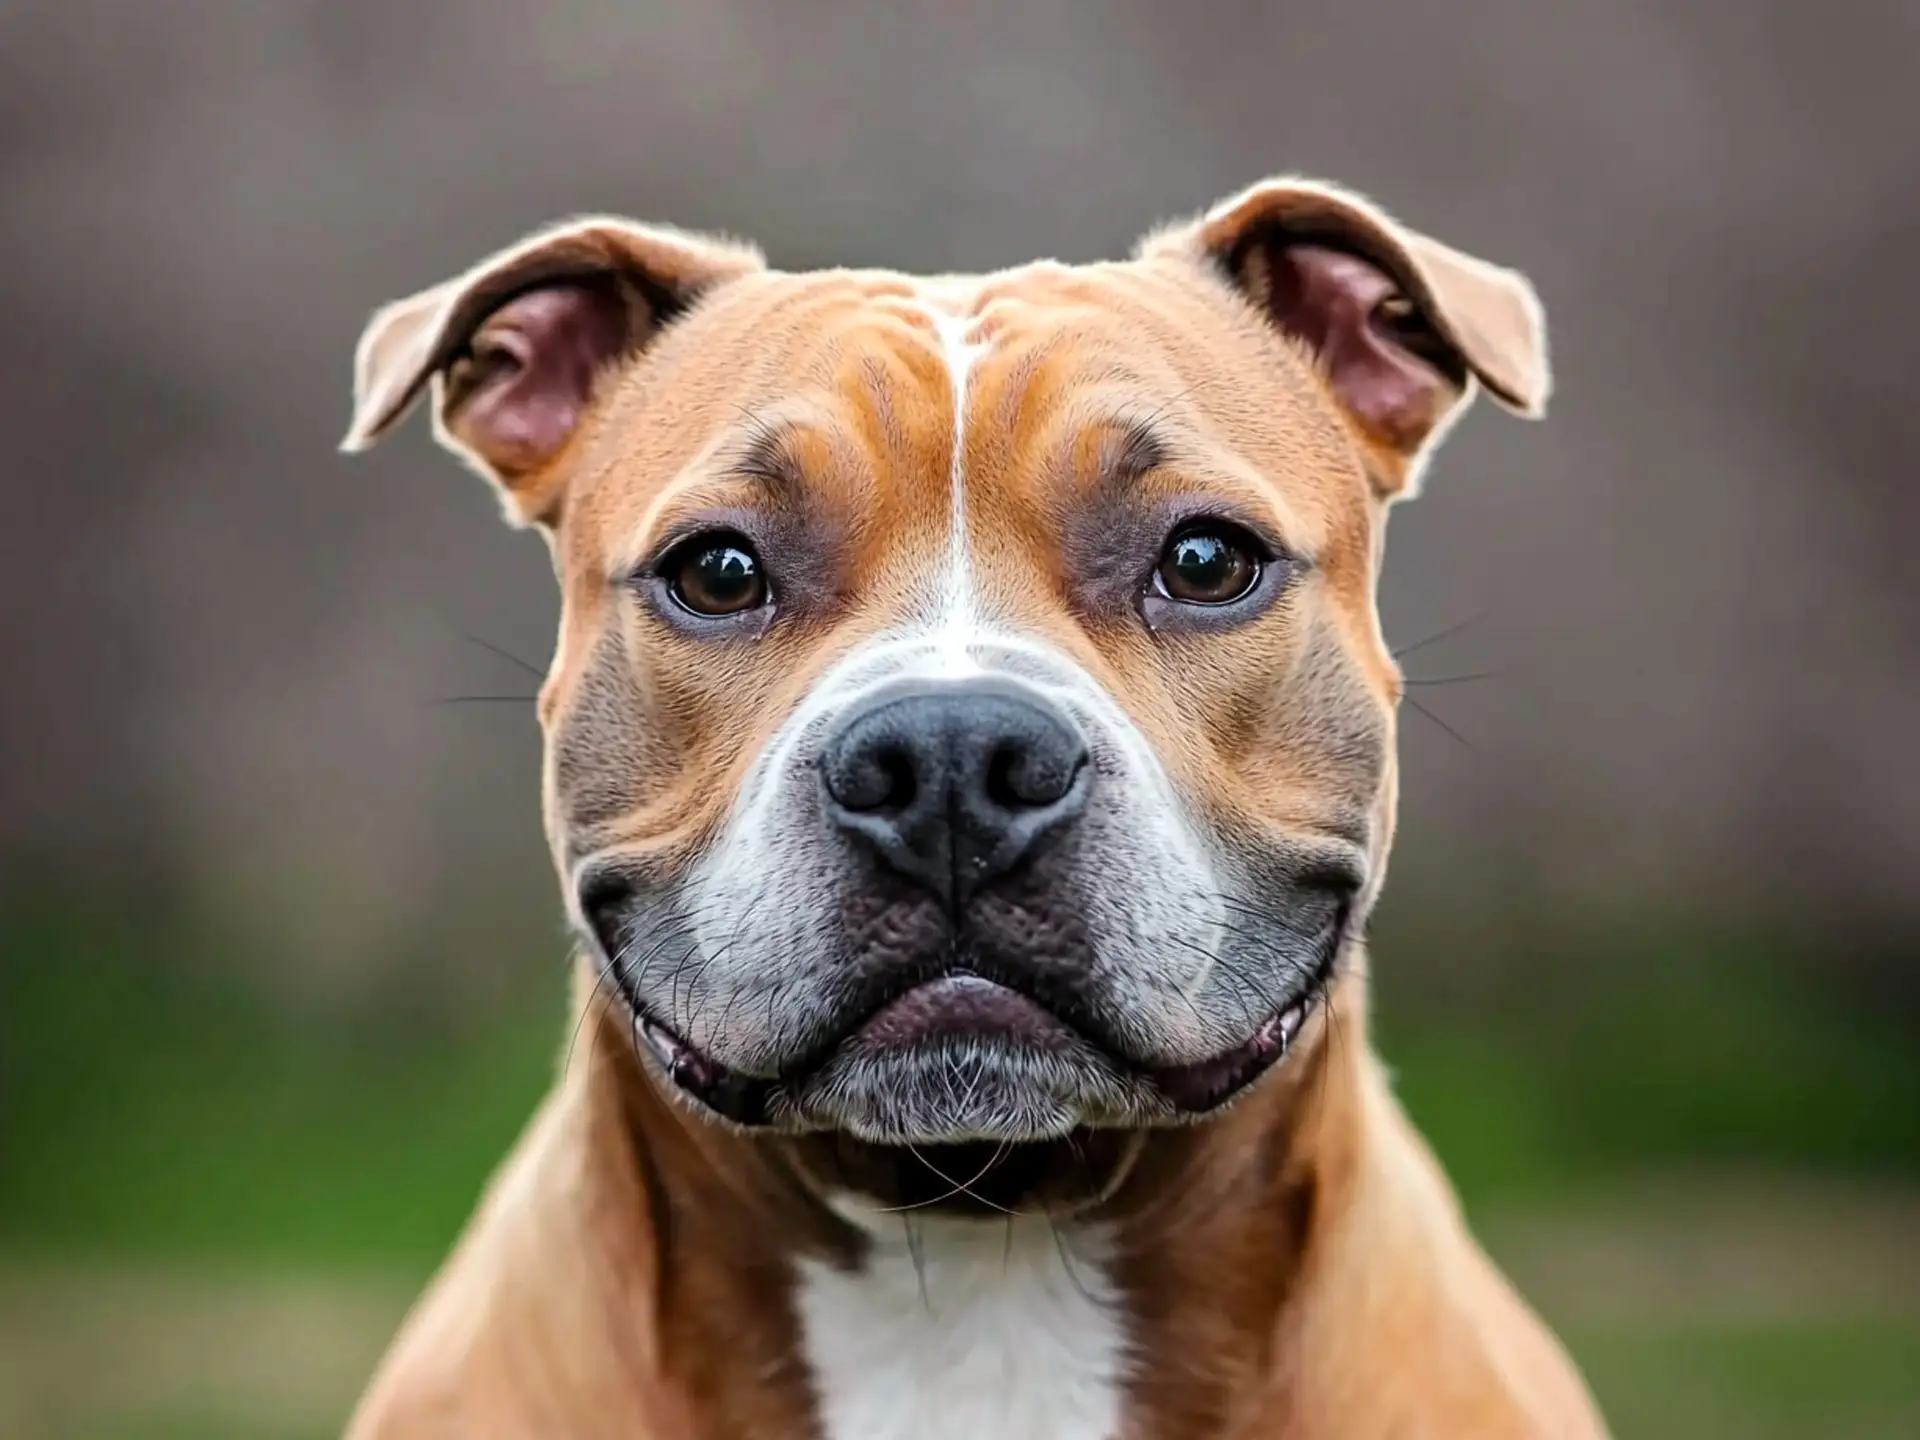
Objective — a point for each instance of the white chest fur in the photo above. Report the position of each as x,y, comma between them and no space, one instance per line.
999,1329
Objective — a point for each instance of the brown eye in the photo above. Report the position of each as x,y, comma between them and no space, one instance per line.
1212,564
716,575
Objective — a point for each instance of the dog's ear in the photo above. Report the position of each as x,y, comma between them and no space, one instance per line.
1402,326
512,349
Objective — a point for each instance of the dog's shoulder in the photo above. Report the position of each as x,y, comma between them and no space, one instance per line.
1408,1328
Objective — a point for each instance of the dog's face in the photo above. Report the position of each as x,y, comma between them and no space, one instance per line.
970,720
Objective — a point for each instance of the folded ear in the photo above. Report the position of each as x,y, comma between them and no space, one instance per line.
513,348
1403,327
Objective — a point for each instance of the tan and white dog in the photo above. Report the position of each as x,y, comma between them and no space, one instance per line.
969,766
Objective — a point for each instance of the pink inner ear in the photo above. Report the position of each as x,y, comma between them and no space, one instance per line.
1329,299
537,358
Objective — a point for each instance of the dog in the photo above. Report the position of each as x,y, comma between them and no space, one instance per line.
969,766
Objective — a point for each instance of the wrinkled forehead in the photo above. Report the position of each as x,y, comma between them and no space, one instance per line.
909,404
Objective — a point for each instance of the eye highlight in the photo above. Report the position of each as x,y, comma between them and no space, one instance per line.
715,574
1210,563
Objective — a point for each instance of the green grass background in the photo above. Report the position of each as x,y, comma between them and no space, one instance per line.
174,1143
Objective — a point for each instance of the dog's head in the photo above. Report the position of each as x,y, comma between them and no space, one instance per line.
970,720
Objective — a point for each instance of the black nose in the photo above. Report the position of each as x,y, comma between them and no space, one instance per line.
953,783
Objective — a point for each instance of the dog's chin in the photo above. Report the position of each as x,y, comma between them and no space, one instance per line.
955,1090
960,1060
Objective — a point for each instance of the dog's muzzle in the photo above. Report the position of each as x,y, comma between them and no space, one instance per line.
971,832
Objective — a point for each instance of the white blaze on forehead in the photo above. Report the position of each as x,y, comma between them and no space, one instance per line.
957,617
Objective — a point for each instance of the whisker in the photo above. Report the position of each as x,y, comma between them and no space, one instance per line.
1439,635
959,1187
507,655
486,700
1336,1035
1163,407
673,928
1458,737
693,984
1449,679
600,993
1066,1261
918,1254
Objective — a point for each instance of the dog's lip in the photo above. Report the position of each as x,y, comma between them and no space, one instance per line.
1206,1084
739,1098
961,1004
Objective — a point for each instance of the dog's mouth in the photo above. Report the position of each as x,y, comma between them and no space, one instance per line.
962,1057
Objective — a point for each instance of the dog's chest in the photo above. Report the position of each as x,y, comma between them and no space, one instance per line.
968,1330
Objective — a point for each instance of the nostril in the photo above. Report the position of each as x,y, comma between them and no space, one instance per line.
1020,776
898,777
882,777
1009,778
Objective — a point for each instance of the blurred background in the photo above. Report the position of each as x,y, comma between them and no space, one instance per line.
281,971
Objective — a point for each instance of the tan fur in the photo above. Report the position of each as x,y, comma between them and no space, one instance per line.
1296,1267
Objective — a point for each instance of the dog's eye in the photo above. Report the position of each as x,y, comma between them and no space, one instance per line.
716,575
1208,564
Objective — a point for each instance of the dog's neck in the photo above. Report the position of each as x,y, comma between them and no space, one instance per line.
1167,1307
